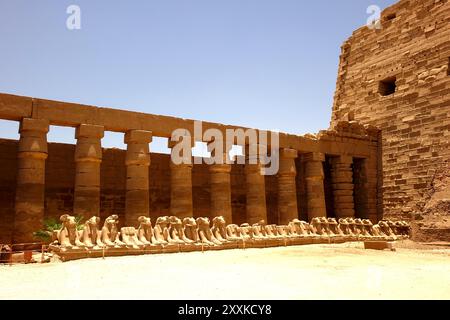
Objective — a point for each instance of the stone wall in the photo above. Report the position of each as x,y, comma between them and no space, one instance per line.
8,172
398,79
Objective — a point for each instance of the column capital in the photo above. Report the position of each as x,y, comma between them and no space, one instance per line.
138,136
88,148
29,124
33,138
342,159
137,154
210,146
254,145
220,168
314,156
172,144
89,131
181,165
253,168
288,153
225,159
255,150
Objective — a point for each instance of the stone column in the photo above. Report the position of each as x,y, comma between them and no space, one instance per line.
255,188
30,186
342,184
315,192
137,161
88,157
181,204
287,189
220,182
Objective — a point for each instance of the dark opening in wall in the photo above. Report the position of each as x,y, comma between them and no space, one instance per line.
360,191
390,16
387,86
300,180
328,188
448,68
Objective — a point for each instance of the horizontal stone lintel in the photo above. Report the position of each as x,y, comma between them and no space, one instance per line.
73,115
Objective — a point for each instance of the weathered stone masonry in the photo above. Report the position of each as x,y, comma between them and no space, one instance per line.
398,79
39,180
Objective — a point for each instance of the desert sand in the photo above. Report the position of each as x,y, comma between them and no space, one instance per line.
345,271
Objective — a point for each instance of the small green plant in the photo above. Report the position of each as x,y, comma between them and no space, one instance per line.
51,225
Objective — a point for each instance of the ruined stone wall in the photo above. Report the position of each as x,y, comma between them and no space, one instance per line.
398,79
8,172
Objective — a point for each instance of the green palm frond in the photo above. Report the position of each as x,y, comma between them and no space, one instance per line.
51,225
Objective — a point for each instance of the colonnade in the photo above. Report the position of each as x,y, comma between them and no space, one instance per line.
30,191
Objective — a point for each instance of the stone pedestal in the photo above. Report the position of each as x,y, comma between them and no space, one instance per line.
221,191
287,189
181,204
256,190
88,157
342,184
30,188
315,192
137,201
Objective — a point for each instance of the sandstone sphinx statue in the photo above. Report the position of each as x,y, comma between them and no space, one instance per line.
130,238
246,232
145,231
260,238
171,234
285,236
370,230
90,235
176,232
360,229
219,231
320,227
356,230
68,236
205,234
233,232
190,229
335,230
274,232
161,230
386,231
404,228
252,236
259,230
110,235
333,225
265,235
347,230
296,228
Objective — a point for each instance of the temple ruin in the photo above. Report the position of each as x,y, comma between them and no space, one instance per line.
332,174
397,78
386,154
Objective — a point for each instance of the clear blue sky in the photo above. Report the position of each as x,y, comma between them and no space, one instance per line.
268,64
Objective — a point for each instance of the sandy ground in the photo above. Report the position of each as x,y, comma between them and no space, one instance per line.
344,271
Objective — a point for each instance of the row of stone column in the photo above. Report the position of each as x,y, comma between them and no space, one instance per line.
30,191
